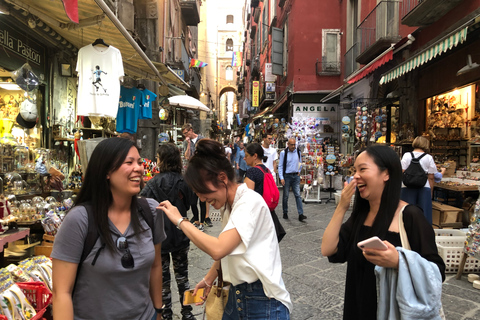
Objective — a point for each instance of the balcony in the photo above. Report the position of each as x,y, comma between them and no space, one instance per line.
190,12
378,31
331,68
419,13
351,60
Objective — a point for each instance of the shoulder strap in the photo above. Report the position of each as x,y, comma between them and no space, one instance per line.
423,155
92,234
261,169
402,231
285,152
146,212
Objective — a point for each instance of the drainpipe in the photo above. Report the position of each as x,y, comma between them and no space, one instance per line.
409,42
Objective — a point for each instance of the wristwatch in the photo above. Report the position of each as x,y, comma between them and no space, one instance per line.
180,221
158,310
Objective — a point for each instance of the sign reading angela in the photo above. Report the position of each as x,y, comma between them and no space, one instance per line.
315,110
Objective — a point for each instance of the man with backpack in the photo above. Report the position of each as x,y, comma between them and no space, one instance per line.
418,177
289,167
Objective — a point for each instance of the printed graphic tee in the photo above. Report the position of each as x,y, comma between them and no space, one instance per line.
128,110
100,70
147,98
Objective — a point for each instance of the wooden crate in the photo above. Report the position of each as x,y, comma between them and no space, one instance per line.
45,249
445,216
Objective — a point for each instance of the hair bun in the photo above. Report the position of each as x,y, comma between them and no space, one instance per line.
209,148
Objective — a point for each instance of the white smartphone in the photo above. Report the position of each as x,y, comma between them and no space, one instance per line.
372,243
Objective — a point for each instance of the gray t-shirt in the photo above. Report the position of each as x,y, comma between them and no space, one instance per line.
107,290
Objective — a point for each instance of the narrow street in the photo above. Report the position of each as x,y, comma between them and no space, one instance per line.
317,286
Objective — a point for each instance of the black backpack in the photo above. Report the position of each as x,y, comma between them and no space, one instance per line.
415,177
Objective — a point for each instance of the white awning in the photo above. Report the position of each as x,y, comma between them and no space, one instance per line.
433,51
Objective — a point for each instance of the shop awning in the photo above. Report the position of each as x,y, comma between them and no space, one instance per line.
260,114
433,51
96,21
386,56
170,76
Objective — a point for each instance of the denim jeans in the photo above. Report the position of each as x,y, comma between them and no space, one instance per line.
420,197
293,180
247,301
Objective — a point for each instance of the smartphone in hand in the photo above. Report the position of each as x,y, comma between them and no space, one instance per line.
372,243
189,298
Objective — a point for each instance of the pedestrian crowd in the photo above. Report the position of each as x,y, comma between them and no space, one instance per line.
112,254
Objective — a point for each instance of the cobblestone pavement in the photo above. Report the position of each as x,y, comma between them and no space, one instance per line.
315,285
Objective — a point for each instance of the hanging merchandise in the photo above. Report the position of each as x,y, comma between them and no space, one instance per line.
27,117
25,78
100,70
135,103
146,101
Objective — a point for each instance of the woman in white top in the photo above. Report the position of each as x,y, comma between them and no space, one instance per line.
247,247
421,197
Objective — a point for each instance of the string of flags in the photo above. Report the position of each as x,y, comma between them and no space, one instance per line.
194,63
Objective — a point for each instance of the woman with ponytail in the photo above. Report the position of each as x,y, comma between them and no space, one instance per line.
246,250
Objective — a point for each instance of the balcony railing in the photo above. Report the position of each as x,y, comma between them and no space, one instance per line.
378,30
190,12
331,68
351,60
416,13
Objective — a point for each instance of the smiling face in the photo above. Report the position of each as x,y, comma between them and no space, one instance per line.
126,179
370,180
217,198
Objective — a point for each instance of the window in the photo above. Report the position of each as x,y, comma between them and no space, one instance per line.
285,50
229,73
259,47
230,18
229,45
279,52
331,50
265,25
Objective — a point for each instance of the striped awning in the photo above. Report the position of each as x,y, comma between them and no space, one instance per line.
426,55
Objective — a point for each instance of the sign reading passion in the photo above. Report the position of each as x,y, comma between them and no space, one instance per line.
18,48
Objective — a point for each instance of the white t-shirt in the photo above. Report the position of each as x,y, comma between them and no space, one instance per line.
99,72
272,155
228,151
257,257
427,163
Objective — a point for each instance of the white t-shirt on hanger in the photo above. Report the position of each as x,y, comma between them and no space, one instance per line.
100,70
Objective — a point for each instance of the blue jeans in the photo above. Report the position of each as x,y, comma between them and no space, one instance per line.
293,180
420,197
247,301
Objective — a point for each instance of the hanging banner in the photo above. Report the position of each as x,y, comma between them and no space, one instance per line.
255,93
269,76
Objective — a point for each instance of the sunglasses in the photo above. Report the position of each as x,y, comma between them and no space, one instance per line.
127,259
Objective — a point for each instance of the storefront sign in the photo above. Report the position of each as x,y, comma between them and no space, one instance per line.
180,73
329,111
18,48
255,93
269,76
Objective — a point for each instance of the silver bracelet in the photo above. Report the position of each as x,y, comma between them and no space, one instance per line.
180,221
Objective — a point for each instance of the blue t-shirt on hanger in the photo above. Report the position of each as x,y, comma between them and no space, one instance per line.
146,104
128,109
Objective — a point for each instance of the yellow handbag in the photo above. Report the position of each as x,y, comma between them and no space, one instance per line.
217,299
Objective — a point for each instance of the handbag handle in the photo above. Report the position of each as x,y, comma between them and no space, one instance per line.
219,281
402,231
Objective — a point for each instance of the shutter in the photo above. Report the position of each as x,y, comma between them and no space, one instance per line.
277,51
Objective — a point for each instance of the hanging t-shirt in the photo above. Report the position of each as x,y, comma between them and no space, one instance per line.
147,98
128,110
99,71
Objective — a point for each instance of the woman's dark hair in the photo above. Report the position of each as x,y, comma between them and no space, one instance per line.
207,163
106,158
256,148
169,158
386,159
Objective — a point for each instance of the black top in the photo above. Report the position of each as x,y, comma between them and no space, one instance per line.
256,175
360,287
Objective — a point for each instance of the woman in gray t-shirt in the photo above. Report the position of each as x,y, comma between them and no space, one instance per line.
121,277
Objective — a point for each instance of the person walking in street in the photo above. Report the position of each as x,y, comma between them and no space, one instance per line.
289,166
255,178
240,163
376,185
246,251
121,276
169,185
191,139
228,150
271,153
420,196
